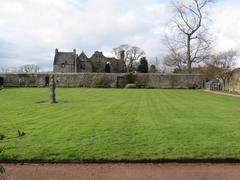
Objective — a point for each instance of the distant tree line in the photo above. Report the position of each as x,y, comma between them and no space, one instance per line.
27,68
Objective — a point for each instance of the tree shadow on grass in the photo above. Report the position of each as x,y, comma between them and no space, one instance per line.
48,102
19,136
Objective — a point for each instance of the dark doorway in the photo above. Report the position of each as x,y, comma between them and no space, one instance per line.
121,82
1,81
46,81
107,68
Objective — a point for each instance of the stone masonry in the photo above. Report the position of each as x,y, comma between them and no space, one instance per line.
70,62
171,81
234,84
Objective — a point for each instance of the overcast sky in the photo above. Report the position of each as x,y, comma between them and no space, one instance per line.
30,30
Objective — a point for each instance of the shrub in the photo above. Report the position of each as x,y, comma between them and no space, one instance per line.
194,86
100,82
130,78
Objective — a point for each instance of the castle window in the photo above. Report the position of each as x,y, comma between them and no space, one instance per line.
82,65
107,68
47,81
98,64
63,65
117,67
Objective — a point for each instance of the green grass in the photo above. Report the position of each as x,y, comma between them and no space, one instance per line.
119,125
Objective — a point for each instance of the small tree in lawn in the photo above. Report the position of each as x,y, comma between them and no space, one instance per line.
143,66
52,90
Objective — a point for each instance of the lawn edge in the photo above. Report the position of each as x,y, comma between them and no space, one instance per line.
210,160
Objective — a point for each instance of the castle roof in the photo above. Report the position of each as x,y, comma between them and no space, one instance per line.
64,57
83,56
98,54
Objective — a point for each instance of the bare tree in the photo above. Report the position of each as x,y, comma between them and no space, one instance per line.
221,66
189,43
4,70
173,60
209,71
160,65
29,68
132,54
225,61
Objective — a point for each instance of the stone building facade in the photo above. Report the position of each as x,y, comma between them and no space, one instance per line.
70,62
234,83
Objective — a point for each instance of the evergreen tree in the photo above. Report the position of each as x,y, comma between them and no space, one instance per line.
143,67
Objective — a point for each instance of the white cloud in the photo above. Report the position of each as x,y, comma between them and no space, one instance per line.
30,30
226,25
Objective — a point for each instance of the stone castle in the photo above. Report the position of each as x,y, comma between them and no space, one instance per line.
70,62
72,70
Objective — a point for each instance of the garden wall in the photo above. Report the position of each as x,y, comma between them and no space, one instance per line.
170,81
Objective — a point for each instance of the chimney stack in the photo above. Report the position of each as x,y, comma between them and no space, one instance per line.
75,60
122,55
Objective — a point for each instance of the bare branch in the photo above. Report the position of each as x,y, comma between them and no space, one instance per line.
189,43
132,54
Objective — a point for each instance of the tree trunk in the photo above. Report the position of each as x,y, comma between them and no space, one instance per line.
52,90
189,61
224,85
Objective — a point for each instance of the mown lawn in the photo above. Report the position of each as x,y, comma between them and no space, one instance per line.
118,125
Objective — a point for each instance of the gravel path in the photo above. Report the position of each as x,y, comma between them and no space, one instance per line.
222,93
122,171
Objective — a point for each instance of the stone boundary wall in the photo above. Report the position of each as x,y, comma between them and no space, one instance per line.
170,81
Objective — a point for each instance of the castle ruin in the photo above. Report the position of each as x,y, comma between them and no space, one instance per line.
70,62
